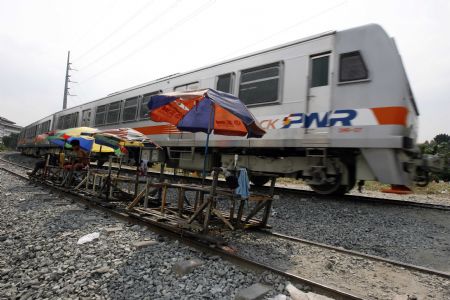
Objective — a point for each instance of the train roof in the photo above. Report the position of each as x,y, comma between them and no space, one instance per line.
274,48
288,44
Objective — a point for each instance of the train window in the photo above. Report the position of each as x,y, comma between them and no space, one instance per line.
143,112
352,67
260,84
34,131
60,122
130,109
100,115
113,113
73,120
45,126
187,87
225,83
86,117
319,71
68,121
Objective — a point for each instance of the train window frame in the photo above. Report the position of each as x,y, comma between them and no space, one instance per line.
363,63
118,109
136,106
84,112
232,81
44,127
59,124
280,86
186,86
313,59
142,103
68,121
96,123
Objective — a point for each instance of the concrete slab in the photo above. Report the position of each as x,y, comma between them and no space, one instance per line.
110,230
143,244
186,266
253,292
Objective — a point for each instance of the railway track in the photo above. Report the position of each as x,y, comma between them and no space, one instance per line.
356,253
225,251
191,241
300,192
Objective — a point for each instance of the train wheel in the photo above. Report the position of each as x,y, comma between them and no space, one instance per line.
336,187
259,180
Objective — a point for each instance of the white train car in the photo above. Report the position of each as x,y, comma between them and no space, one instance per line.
337,107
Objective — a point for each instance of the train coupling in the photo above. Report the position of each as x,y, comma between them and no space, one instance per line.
426,165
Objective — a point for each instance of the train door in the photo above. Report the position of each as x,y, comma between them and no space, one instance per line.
318,103
86,118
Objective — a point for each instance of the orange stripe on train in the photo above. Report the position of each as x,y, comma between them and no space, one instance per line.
159,129
391,115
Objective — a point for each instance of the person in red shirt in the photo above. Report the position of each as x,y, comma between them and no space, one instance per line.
82,158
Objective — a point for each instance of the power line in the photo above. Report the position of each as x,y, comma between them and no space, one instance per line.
131,18
96,24
162,34
117,46
286,29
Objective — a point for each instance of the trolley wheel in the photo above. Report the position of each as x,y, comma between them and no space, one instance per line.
259,180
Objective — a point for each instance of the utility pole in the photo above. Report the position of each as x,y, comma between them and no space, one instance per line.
66,82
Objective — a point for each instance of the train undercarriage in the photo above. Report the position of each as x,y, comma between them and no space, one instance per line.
328,171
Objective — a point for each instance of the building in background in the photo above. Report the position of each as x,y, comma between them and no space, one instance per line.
7,127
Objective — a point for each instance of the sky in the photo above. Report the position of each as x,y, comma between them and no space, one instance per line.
116,44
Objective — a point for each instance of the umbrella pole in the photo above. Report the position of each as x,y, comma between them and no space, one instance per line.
207,144
205,159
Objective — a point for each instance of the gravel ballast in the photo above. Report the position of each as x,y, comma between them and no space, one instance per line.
412,235
40,257
361,276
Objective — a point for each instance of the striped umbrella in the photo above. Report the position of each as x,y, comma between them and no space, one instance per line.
62,138
120,138
205,111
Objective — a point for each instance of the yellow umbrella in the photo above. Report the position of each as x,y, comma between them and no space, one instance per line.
101,149
81,131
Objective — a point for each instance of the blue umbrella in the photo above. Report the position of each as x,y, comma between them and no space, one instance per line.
205,111
86,143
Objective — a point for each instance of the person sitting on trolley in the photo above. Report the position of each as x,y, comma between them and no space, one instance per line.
81,159
40,164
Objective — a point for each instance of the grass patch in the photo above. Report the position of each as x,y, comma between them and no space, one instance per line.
434,188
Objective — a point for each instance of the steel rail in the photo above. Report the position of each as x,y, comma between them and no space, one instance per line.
246,262
296,191
357,253
347,198
367,199
330,247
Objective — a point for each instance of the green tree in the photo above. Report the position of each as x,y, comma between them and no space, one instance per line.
10,141
439,145
442,138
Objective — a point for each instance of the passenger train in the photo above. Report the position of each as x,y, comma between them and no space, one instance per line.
337,107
